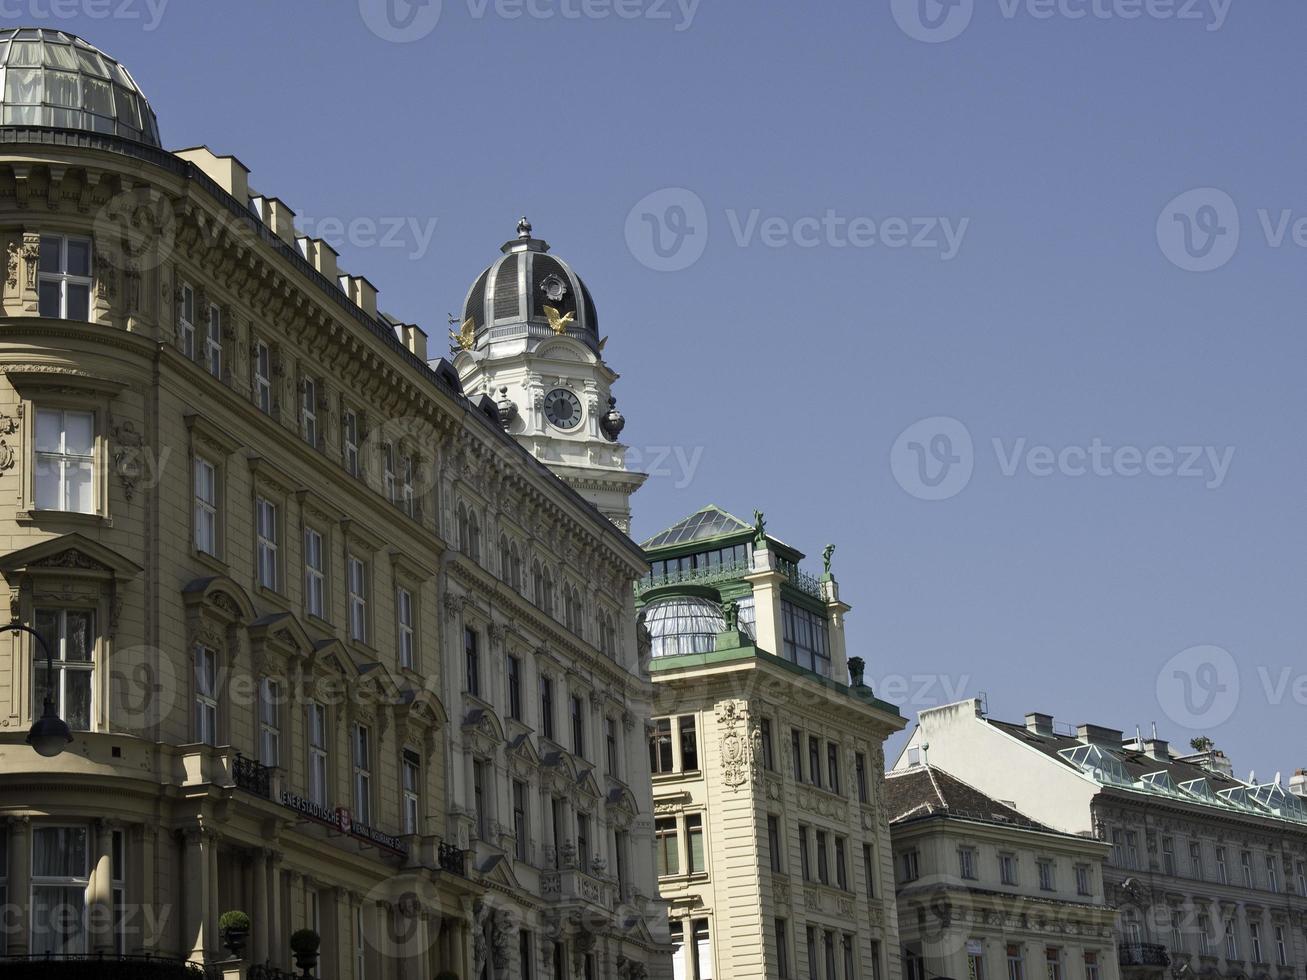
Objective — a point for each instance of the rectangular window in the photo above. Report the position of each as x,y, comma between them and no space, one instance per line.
828,946
70,634
1016,967
814,760
1118,848
1045,869
269,722
1204,935
1246,864
849,973
317,732
1053,963
526,954
547,707
1301,869
404,614
796,751
263,377
1178,943
60,879
1255,941
694,844
1196,859
65,461
669,857
620,850
967,862
1091,967
660,747
774,841
472,662
841,864
1222,872
213,342
309,411
805,861
867,865
578,726
206,506
823,858
411,773
64,282
388,471
206,696
768,757
860,772
1272,873
363,774
186,321
1168,855
315,575
805,638
358,598
1231,941
1007,869
513,675
1281,947
810,937
479,798
975,961
265,512
407,496
1131,849
689,744
519,819
911,869
611,753
781,932
833,767
1084,880
556,827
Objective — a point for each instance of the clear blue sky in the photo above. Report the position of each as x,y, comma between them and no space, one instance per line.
795,357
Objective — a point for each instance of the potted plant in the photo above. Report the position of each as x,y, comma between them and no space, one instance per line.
234,927
304,943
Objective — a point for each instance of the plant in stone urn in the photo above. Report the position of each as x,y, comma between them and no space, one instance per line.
234,927
856,667
304,943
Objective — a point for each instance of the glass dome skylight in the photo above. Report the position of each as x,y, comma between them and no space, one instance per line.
683,624
1099,763
51,78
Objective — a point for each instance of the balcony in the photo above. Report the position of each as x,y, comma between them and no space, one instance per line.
571,886
98,967
450,858
251,776
1144,954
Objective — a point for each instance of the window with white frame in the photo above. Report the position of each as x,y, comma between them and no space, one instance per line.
388,471
358,598
349,441
263,377
317,732
269,722
206,506
213,342
1045,868
407,496
407,637
1084,880
70,635
309,411
1231,941
65,460
315,575
265,513
61,875
1255,941
360,946
1281,947
64,286
967,862
411,772
1272,873
186,321
206,695
363,774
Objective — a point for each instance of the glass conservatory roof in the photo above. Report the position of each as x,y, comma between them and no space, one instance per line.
707,523
684,624
1099,763
51,78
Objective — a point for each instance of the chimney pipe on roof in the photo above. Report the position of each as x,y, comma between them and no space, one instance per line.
1158,748
1038,723
1100,735
1298,783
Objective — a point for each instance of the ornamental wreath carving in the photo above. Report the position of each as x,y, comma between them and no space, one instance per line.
736,746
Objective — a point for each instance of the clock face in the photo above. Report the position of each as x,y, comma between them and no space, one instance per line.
563,408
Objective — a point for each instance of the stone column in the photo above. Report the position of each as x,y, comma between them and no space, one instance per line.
276,915
262,921
16,925
211,940
99,899
195,879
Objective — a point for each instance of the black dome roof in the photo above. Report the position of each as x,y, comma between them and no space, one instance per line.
511,296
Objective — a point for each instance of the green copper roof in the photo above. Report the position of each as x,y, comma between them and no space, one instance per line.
711,522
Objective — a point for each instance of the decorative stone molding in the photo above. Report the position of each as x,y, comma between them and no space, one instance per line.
736,746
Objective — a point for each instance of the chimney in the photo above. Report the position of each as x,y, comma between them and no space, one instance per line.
362,292
228,172
414,338
280,218
321,256
1039,724
1100,735
1298,783
1158,748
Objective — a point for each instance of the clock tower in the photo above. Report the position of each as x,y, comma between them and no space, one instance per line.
529,339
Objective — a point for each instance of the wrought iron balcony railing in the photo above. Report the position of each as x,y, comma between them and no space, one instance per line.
97,966
1144,954
252,776
451,859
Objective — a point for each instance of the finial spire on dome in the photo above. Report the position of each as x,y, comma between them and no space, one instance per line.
524,228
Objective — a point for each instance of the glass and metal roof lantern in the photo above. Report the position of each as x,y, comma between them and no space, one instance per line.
1099,763
710,522
683,624
52,78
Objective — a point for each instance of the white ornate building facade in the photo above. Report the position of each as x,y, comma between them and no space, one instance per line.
335,650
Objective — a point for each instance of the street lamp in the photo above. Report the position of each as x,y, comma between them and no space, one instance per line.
49,734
